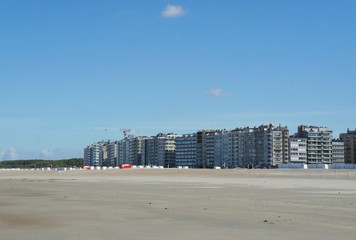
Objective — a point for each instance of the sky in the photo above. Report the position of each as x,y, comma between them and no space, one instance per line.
71,67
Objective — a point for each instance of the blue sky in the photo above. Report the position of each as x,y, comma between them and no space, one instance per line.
67,66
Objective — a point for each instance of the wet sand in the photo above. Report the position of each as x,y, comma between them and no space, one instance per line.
174,204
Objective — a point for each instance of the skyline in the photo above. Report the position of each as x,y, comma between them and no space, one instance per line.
170,66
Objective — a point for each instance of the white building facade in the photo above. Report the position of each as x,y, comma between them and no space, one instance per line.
319,144
297,150
338,151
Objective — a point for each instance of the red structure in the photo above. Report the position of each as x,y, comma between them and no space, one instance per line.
127,165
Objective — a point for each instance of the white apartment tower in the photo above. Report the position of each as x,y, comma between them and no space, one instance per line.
297,150
338,151
319,143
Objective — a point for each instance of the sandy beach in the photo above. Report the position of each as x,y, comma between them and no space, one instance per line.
155,204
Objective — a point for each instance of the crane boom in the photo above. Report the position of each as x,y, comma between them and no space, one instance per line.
123,130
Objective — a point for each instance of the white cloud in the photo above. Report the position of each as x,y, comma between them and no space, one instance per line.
10,154
47,154
55,154
217,92
172,11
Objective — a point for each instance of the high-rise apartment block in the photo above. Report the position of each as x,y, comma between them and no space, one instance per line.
212,148
264,146
272,145
247,145
160,150
113,153
221,149
319,143
338,151
297,150
349,139
186,150
96,154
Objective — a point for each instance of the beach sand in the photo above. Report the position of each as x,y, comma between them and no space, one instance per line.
171,204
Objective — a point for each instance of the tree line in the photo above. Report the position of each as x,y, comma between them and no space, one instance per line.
73,162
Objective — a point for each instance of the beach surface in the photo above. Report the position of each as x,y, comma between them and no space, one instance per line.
171,204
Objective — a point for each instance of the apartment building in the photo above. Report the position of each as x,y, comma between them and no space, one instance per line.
89,154
221,149
297,150
141,149
233,147
133,156
96,154
349,139
160,150
247,147
186,150
170,150
338,151
319,143
103,154
263,146
122,151
272,145
205,148
113,153
155,152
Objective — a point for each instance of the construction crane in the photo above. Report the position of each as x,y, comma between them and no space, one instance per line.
123,130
